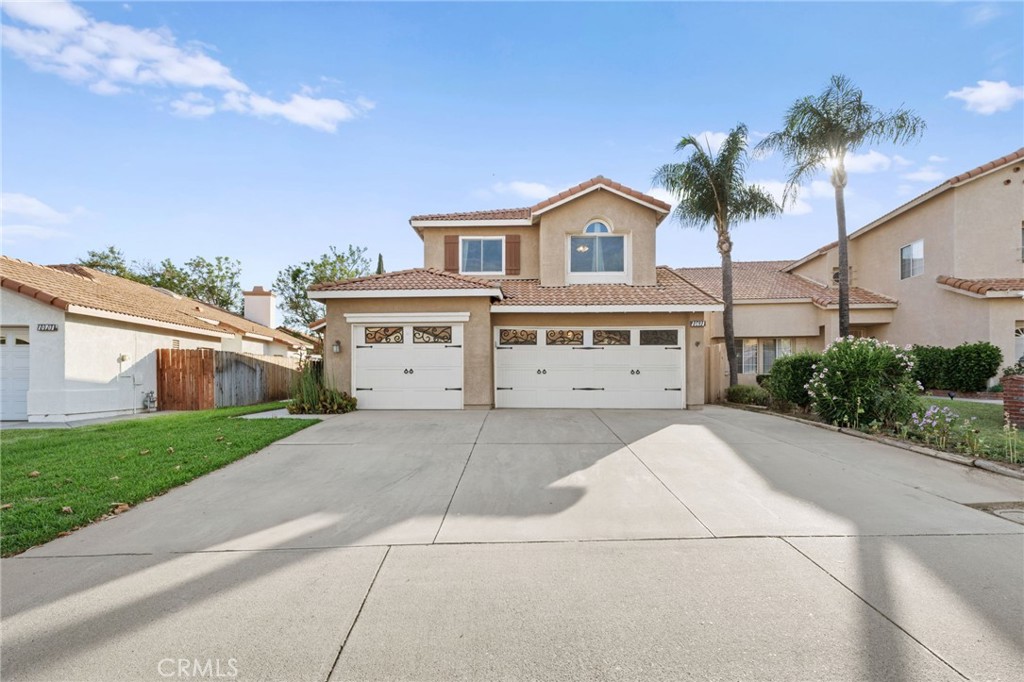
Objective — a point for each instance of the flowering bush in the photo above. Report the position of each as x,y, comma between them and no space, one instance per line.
943,428
860,381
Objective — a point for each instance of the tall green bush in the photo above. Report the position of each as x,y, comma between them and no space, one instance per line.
859,382
790,376
968,367
313,394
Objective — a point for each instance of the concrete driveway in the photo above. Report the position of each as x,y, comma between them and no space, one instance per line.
549,545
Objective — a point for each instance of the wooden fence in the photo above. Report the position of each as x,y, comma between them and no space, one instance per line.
203,379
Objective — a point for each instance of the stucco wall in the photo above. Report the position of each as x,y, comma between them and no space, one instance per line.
478,374
622,215
46,349
989,215
433,246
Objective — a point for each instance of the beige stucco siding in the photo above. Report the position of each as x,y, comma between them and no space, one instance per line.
622,215
989,214
433,246
478,386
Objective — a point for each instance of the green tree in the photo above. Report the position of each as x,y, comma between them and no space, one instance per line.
710,189
110,260
380,264
818,132
292,282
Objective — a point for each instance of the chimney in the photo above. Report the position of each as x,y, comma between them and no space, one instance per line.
259,306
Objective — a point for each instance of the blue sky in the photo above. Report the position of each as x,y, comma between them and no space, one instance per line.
268,131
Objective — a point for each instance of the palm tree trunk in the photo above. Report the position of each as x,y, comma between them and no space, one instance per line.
844,263
725,248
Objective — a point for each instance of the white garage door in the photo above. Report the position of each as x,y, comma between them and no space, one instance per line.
13,374
589,368
407,366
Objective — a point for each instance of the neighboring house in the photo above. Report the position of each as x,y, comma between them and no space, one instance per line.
555,305
78,343
943,269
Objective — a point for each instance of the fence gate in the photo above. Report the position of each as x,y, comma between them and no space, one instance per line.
184,379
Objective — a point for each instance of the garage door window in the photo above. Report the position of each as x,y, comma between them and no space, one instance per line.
659,337
611,337
431,334
565,337
517,337
385,335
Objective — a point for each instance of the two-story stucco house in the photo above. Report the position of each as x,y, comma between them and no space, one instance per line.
942,269
556,305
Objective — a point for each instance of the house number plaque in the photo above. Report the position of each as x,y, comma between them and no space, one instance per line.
50,327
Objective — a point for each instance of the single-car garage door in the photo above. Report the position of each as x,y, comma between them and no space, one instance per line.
407,366
14,359
596,368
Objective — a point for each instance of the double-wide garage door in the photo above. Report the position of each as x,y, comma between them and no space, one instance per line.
589,368
408,366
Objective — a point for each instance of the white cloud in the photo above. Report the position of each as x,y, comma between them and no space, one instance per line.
108,58
526,190
901,161
776,189
12,232
925,174
988,97
979,15
935,158
712,139
25,207
872,162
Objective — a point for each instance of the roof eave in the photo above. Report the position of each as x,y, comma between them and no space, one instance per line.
406,293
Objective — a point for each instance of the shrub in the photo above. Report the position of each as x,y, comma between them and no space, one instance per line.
1014,370
944,428
968,367
312,394
747,395
930,366
790,376
860,381
971,365
760,379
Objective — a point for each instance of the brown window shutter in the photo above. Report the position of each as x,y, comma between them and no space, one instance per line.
512,254
451,252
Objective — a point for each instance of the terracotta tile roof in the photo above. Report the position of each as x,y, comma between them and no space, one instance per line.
495,214
527,212
985,167
768,281
671,289
983,286
66,285
315,324
403,280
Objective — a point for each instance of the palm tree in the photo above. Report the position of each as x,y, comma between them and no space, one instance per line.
818,133
710,190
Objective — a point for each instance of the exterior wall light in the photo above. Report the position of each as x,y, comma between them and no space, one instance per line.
336,347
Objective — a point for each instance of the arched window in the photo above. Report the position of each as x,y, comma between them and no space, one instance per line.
597,250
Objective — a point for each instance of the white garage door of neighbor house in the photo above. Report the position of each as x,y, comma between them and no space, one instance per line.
589,368
407,366
14,374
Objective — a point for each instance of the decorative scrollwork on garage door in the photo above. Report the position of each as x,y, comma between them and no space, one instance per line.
431,334
659,337
385,335
517,337
611,337
565,337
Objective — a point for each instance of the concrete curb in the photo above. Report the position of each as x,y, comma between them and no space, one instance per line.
985,464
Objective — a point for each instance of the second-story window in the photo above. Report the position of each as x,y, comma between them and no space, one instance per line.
482,255
912,259
597,250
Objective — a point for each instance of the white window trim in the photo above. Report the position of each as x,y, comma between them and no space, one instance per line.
624,276
475,272
760,351
911,276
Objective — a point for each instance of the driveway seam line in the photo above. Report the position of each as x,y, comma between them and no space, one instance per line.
465,466
874,608
355,620
656,477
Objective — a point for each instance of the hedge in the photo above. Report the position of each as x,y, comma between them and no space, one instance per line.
747,395
968,367
789,377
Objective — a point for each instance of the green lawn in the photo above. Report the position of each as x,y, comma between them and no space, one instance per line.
83,473
988,420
